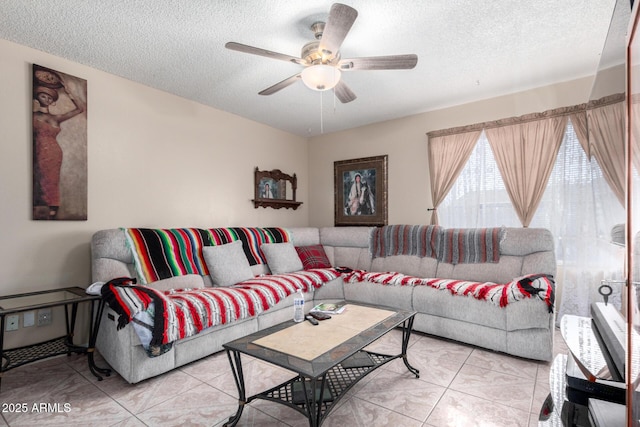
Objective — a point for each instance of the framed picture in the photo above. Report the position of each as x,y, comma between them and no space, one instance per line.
360,191
275,189
59,131
269,189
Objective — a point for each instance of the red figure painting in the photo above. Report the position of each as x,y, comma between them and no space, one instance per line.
59,145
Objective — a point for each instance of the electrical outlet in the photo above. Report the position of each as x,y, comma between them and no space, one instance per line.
12,321
28,319
44,317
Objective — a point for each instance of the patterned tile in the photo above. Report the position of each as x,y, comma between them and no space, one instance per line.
258,377
356,412
132,421
64,401
457,409
503,363
138,397
252,417
201,405
437,360
80,364
494,386
408,396
209,368
540,393
283,413
459,385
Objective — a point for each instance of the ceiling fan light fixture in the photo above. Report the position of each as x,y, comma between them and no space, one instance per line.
321,77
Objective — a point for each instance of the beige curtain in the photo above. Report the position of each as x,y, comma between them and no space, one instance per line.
606,144
447,156
526,147
579,121
525,153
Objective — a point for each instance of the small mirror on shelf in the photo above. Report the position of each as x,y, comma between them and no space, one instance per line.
275,189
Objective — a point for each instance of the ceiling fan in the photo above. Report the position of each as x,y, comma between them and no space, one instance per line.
322,60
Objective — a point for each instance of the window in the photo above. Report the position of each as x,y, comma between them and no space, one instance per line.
479,197
578,207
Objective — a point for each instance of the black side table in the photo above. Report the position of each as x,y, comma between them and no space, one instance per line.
18,303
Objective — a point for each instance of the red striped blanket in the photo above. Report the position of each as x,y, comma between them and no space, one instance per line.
160,318
163,253
165,317
530,286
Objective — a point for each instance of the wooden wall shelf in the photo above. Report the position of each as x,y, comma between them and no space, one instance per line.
276,204
275,189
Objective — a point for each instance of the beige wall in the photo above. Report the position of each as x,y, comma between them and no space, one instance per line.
405,142
155,160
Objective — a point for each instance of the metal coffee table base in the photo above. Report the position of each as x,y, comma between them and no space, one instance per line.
330,386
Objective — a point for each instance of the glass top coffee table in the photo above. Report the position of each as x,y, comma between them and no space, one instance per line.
328,358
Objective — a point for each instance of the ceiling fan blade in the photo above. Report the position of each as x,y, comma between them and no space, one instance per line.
281,85
344,93
264,52
341,18
391,62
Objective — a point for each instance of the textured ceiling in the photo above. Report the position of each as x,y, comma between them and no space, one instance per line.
467,50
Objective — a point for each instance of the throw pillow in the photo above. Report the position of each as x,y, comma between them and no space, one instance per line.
313,256
281,257
227,263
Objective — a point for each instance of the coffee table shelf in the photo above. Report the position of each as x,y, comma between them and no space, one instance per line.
339,380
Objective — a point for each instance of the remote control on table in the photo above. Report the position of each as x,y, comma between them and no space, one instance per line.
312,320
318,315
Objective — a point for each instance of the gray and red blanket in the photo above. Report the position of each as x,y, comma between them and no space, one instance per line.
450,245
540,286
173,315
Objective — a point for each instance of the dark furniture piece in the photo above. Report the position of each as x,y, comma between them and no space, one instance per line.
331,374
587,387
72,296
282,189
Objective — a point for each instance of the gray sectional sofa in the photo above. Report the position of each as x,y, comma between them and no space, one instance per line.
524,328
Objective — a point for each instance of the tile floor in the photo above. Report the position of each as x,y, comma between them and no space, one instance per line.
459,385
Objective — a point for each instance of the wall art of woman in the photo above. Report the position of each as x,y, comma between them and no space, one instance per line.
48,154
360,199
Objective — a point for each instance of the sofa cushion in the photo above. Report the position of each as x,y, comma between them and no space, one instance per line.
375,293
227,263
187,281
406,264
356,258
281,257
353,237
304,236
440,303
503,271
313,256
